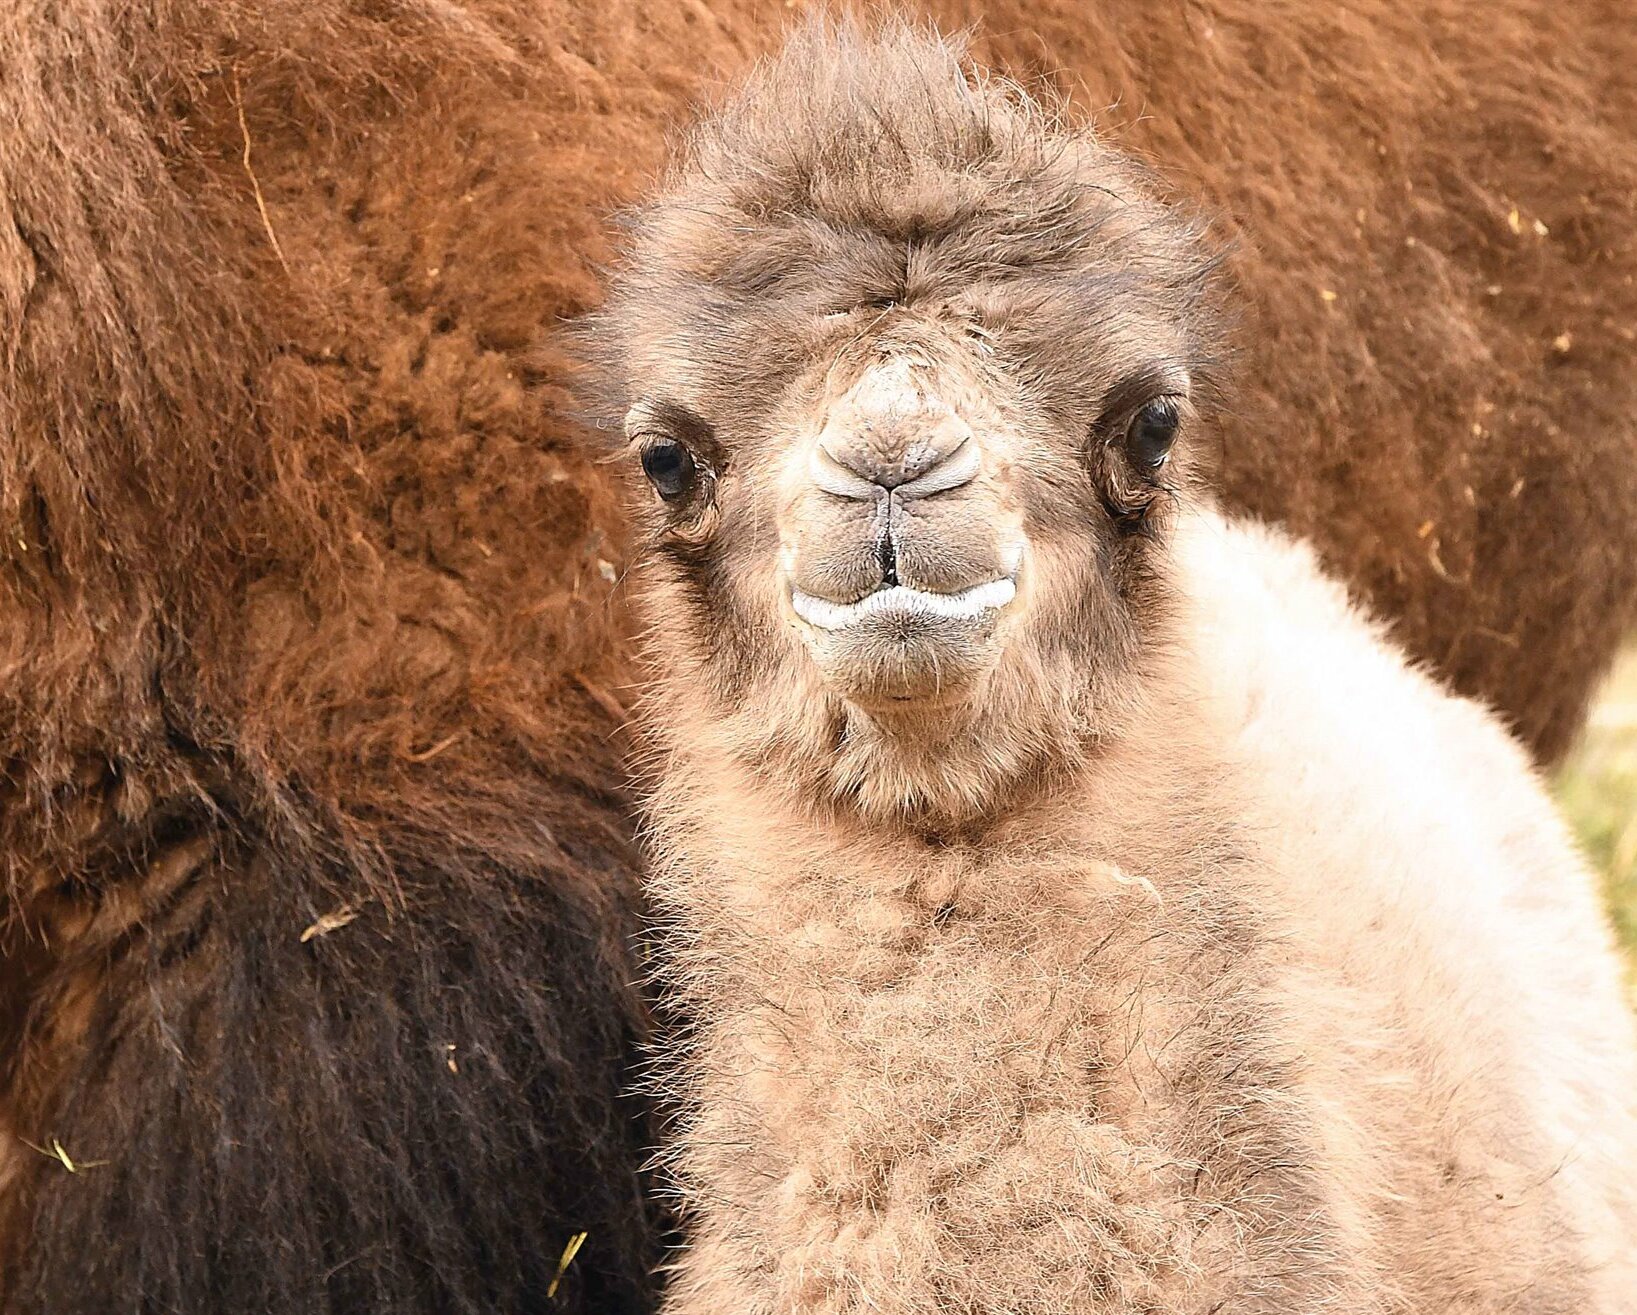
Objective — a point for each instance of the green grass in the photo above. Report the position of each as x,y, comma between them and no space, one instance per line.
1597,788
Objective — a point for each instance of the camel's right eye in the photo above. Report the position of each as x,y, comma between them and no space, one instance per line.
670,468
1151,433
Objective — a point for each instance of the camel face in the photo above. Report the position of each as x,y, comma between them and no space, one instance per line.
923,512
910,399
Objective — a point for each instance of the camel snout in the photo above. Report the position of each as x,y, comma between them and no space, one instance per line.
890,435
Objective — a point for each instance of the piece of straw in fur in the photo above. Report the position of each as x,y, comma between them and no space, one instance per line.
62,1157
330,922
569,1252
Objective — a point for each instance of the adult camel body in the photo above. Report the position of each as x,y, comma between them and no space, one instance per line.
305,619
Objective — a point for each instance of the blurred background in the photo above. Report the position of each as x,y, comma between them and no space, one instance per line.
1597,787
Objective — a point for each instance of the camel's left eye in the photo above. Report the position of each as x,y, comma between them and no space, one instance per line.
670,468
1152,432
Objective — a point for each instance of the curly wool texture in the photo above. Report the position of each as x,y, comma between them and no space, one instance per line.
303,589
1186,951
1286,1003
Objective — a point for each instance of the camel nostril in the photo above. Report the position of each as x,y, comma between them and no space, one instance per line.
855,471
840,478
949,471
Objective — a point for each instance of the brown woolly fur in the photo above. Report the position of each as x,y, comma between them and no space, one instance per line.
1076,906
316,986
304,571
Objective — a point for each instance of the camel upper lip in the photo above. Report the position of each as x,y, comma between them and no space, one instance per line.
900,600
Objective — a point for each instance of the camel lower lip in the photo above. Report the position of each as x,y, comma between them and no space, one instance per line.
901,601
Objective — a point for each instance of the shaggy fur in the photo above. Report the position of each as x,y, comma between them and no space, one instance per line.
1115,1053
316,863
1431,214
303,586
1165,942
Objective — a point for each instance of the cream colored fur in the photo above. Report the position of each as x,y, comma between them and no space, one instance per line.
1291,996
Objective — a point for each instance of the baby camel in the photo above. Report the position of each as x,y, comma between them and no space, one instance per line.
1078,906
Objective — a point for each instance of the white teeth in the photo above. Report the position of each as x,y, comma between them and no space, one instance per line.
899,600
